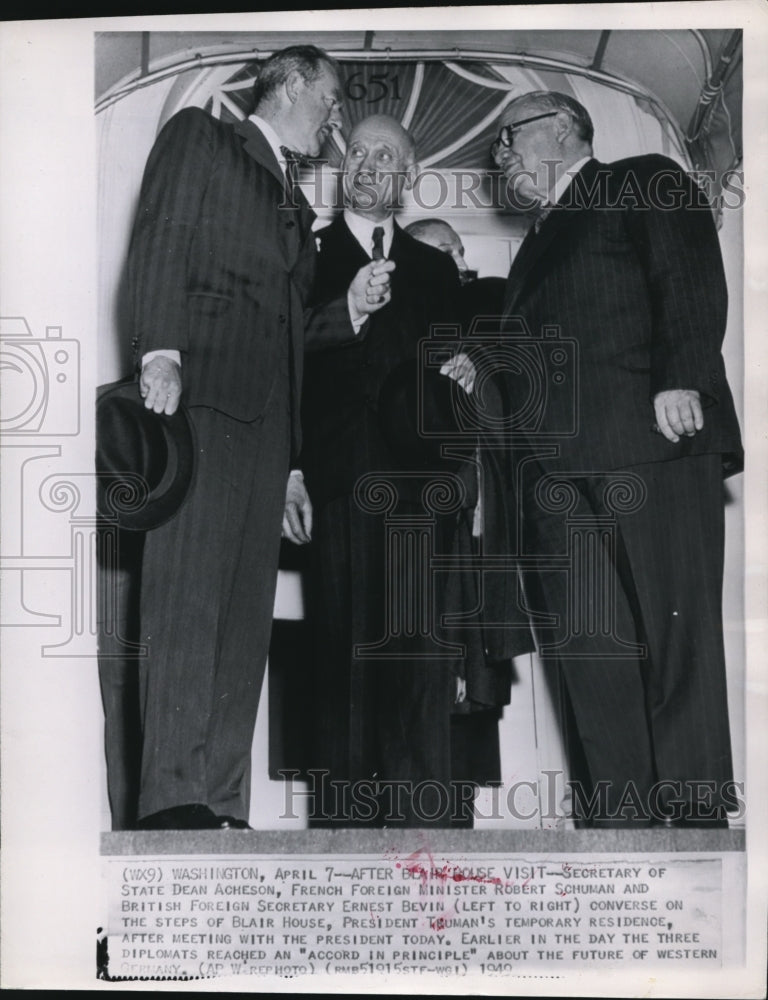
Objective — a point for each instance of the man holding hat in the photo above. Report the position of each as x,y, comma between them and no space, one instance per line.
220,267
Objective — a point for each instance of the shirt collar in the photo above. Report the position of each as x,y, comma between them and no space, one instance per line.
272,138
565,179
362,229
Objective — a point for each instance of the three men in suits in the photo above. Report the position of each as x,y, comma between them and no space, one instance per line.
221,265
387,686
628,427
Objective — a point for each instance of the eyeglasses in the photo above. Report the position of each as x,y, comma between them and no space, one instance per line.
507,134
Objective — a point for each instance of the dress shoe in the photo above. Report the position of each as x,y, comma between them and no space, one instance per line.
691,818
187,817
695,822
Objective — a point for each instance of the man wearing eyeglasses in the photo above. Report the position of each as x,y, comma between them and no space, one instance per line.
633,422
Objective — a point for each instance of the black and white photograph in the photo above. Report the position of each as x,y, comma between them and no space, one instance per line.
384,470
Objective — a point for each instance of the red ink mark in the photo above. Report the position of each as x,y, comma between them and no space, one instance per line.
451,873
440,923
417,869
446,873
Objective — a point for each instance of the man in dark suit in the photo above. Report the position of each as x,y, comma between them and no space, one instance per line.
221,264
384,712
629,426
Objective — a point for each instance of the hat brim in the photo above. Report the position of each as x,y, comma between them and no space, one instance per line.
123,497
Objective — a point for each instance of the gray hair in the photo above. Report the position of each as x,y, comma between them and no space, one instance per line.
553,100
308,60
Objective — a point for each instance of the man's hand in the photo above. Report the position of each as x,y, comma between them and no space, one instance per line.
160,385
297,519
462,369
370,288
678,411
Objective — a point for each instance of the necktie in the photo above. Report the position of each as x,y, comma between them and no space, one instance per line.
378,243
542,217
291,156
293,161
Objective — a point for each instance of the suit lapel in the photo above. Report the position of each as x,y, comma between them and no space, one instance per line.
307,214
341,257
257,147
398,252
536,246
401,253
351,255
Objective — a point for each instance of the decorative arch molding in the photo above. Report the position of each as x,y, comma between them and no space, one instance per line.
449,100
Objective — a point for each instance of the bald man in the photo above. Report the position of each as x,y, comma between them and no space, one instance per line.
384,726
437,233
480,297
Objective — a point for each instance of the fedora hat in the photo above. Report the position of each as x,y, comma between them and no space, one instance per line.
144,460
419,410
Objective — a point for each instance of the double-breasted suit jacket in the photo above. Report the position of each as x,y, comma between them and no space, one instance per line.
624,296
392,718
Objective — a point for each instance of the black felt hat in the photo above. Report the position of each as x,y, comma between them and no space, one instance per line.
144,460
419,410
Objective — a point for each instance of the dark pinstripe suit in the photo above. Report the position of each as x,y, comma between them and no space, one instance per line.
391,719
641,291
219,267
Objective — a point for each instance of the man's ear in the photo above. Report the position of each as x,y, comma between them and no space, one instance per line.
411,174
294,83
563,126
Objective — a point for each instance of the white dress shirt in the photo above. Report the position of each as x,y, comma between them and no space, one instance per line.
564,180
272,138
362,229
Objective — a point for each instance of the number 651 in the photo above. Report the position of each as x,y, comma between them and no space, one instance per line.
375,88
